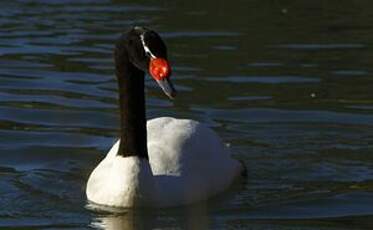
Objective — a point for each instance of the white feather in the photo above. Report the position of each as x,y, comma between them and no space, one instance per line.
146,48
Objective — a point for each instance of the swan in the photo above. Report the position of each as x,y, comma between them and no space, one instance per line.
162,162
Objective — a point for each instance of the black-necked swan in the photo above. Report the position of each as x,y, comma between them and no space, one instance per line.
163,162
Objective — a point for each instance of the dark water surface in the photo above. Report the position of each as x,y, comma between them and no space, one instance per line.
288,85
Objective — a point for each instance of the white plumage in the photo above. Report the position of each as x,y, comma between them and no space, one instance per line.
187,163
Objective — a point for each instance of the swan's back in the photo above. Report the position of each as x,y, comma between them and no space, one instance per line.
189,160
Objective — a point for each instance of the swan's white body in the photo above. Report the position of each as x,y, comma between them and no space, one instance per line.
187,163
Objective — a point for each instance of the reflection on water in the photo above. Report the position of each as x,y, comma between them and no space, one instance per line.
191,217
287,85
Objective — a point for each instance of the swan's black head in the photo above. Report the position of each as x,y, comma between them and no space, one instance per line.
147,51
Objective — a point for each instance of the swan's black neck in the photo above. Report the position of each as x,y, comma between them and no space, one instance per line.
133,140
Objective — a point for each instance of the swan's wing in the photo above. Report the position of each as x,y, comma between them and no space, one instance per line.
187,147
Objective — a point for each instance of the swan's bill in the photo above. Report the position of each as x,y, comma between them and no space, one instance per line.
160,70
167,87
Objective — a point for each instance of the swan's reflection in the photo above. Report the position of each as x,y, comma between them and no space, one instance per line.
123,221
190,217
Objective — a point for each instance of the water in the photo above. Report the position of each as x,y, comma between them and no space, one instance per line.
288,85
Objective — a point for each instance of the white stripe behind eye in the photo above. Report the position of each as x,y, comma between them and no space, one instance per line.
146,48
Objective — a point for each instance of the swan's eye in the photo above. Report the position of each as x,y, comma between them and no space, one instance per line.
159,68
